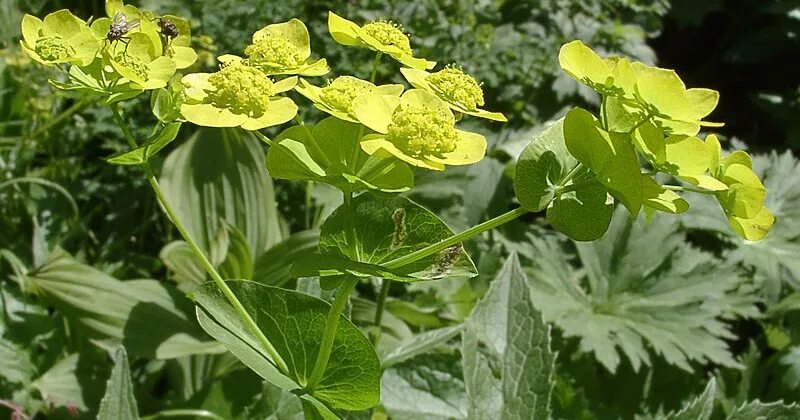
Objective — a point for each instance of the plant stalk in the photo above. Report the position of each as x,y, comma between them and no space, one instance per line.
331,327
384,293
455,239
198,253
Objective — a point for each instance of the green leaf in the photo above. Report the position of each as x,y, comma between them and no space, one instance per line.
425,388
219,175
583,214
700,408
631,298
330,152
184,269
376,228
74,381
119,403
419,344
153,145
757,410
148,317
542,167
272,267
293,322
508,365
609,155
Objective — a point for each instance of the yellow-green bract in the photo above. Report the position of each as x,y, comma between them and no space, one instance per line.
381,36
284,48
338,96
60,38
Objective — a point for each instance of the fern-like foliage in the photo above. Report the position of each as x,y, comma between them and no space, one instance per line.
774,259
641,289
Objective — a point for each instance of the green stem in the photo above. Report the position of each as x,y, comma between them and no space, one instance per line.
688,189
375,64
571,174
386,283
331,327
198,253
318,152
455,239
604,113
263,138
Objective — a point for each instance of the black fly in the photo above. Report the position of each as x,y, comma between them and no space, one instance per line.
168,32
119,29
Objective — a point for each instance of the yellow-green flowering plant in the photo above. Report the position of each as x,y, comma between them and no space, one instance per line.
238,95
369,148
338,96
59,39
459,90
382,36
418,128
284,48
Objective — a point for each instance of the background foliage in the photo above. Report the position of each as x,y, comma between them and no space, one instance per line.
638,330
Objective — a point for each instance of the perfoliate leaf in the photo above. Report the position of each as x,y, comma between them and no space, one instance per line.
119,403
542,167
583,214
508,365
293,322
609,155
377,228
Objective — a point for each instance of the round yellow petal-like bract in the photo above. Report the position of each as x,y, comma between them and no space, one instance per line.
374,143
375,111
470,148
208,115
280,110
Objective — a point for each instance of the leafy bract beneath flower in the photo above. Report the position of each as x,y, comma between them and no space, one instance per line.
60,38
237,96
418,128
459,90
642,89
284,48
337,97
743,201
381,36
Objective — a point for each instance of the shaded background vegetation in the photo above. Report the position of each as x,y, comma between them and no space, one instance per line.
106,217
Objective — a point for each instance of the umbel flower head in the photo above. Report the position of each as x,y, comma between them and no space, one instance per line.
60,38
418,128
237,95
338,96
284,48
459,90
382,36
140,63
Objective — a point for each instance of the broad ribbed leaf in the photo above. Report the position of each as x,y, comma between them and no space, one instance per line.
119,403
508,365
219,175
293,322
148,317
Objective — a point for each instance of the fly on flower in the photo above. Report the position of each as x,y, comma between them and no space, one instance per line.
168,31
120,26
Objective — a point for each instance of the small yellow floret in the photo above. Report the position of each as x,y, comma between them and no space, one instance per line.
54,48
341,92
274,52
457,87
389,33
241,89
133,63
422,131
